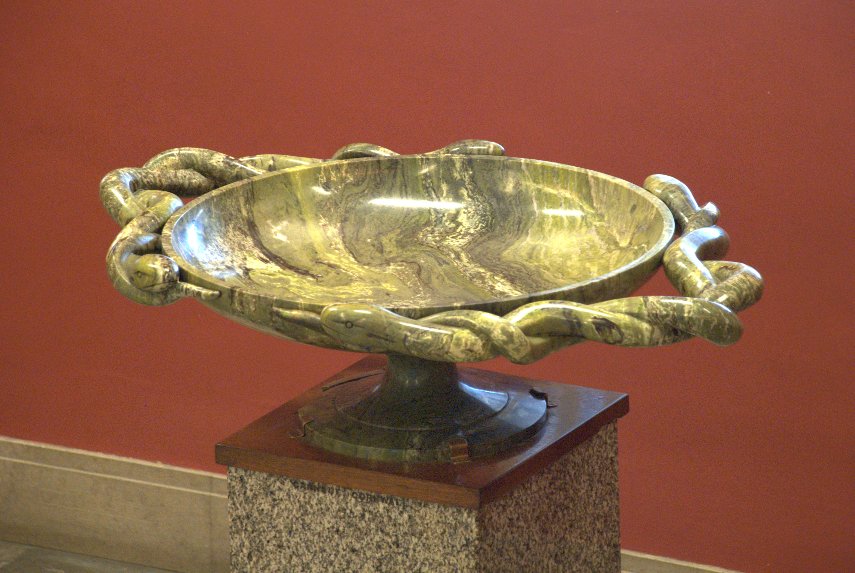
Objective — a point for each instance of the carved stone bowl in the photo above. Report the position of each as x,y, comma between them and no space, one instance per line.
418,235
457,255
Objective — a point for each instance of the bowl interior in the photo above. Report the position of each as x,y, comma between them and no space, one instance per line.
423,232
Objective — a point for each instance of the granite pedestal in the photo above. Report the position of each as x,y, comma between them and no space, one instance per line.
548,505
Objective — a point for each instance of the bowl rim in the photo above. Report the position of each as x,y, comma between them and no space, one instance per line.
197,276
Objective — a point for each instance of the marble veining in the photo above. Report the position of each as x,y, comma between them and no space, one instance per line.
456,255
460,254
417,233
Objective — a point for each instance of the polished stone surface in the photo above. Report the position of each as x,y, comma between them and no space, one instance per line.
415,410
281,441
456,255
424,234
564,518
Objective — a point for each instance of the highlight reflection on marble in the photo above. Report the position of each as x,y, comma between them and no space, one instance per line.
422,234
456,255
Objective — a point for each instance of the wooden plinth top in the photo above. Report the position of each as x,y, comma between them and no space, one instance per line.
267,445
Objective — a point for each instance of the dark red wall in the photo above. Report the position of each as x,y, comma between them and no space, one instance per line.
740,456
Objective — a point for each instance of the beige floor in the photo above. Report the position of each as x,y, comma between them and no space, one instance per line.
16,558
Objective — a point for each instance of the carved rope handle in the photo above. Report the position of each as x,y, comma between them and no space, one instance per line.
462,147
141,200
713,291
688,261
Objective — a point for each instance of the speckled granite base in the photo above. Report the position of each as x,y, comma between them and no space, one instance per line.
564,518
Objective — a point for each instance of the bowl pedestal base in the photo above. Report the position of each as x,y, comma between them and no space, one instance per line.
416,410
548,503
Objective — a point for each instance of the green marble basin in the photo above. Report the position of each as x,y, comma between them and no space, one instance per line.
457,255
418,235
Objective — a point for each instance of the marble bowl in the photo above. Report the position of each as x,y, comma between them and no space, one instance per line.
457,255
418,235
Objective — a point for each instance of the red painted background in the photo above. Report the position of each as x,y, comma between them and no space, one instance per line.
740,457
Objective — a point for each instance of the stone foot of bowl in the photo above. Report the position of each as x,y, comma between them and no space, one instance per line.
457,255
420,410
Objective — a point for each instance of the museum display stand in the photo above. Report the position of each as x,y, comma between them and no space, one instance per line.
548,504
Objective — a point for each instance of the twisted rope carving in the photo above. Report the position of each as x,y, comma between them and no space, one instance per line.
712,290
141,200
